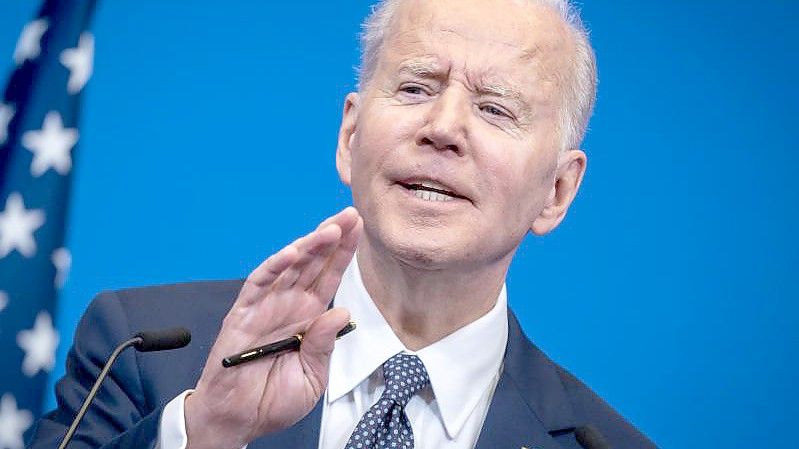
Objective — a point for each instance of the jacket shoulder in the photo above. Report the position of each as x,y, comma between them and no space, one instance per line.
200,307
184,293
560,401
591,408
126,410
187,304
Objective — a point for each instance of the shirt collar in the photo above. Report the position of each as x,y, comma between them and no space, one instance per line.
461,366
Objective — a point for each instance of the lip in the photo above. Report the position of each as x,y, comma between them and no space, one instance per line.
441,186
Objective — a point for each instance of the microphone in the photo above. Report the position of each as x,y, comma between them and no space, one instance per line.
590,438
161,340
146,341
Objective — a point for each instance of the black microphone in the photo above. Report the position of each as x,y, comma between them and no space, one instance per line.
590,438
159,340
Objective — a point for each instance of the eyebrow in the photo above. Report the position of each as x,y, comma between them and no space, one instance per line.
429,68
499,90
423,68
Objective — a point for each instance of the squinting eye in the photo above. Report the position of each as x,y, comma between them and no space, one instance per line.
412,89
493,110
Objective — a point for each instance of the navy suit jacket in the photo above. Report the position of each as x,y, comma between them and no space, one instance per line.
537,404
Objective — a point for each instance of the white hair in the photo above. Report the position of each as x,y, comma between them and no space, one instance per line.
579,89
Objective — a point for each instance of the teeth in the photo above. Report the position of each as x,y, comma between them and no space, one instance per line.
431,196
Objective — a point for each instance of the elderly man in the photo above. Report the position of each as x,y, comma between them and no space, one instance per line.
463,137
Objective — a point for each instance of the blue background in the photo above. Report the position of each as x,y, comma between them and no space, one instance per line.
208,140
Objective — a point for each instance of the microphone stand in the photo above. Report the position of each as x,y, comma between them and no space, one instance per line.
96,386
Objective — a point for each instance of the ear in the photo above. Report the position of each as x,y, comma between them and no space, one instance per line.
346,135
568,176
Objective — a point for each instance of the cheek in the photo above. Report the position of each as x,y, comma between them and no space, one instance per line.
381,137
537,181
520,185
505,168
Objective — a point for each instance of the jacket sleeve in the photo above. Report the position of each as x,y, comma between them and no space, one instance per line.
119,416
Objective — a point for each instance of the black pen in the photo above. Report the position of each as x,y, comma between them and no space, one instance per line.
288,344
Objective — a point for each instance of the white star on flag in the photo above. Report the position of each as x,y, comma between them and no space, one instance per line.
6,114
3,300
13,423
62,259
79,62
39,345
51,145
29,43
17,226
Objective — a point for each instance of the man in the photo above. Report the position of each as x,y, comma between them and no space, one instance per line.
463,137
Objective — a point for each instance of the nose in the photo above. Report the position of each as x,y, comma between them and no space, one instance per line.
444,127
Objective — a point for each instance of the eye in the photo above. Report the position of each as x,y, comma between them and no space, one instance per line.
495,110
413,89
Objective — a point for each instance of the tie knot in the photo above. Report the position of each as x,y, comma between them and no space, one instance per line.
405,375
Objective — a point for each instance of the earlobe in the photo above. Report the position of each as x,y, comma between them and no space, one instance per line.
346,138
569,176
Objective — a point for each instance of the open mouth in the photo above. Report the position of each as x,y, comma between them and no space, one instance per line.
430,191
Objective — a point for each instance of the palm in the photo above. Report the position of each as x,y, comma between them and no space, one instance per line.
288,294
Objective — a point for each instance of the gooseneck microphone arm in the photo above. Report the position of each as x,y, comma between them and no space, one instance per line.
95,387
143,341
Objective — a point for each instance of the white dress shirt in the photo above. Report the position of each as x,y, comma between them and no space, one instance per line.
463,367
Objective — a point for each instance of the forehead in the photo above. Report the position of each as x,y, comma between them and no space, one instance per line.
506,39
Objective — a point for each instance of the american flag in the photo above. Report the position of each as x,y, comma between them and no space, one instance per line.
38,136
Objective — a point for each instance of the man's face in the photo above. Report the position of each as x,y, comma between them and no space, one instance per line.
452,148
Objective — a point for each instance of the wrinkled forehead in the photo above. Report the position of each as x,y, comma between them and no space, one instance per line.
517,39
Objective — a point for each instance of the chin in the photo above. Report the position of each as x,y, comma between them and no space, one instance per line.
422,258
419,249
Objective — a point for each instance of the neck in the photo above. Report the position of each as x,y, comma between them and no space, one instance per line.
424,305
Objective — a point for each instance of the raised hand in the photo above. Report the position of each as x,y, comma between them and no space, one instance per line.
287,294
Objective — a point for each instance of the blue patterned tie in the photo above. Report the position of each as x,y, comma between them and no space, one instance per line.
385,425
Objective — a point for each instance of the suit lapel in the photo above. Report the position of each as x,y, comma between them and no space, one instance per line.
530,403
303,435
511,423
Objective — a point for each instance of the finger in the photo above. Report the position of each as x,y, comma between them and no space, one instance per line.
315,246
328,280
344,219
347,219
315,265
318,343
273,266
349,238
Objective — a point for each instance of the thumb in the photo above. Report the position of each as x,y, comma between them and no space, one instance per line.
319,339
